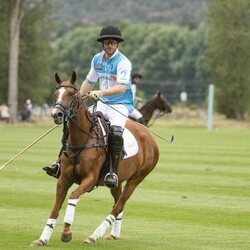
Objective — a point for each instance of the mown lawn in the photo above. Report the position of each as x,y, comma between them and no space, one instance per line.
196,198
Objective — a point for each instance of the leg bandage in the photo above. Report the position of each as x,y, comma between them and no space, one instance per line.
117,226
70,211
100,231
48,230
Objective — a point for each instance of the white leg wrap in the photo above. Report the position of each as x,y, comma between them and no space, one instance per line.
100,231
117,226
70,211
48,230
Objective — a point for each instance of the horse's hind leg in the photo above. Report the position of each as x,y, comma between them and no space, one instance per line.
117,209
117,225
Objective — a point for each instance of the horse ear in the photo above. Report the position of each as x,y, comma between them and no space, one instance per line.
158,92
58,80
73,77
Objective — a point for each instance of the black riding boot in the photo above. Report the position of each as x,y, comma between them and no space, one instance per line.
53,170
115,148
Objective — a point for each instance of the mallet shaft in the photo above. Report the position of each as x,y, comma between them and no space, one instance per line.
22,151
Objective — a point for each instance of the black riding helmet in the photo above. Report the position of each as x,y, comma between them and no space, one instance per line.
110,32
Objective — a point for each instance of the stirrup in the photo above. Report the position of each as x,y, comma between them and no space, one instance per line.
111,180
53,170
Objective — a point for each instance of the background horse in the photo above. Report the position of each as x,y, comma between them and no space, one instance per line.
84,158
156,102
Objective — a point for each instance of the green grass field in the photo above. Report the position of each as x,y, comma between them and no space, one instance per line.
198,196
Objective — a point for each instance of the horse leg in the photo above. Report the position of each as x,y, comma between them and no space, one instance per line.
116,227
117,209
49,227
85,185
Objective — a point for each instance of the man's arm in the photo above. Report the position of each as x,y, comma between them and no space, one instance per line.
86,87
114,90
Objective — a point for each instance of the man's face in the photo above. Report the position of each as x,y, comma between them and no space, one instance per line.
137,79
110,46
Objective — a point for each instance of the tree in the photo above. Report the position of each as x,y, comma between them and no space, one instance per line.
25,33
229,53
4,50
36,77
74,51
160,52
15,23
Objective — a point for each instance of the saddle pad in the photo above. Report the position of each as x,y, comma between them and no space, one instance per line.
130,143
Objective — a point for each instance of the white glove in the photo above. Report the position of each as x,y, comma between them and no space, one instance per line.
95,94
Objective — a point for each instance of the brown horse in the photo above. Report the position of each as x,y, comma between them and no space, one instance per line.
83,161
156,102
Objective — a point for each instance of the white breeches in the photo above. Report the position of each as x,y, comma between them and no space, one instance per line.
117,114
135,114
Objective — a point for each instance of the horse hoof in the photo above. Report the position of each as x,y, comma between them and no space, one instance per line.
37,243
66,237
111,237
90,240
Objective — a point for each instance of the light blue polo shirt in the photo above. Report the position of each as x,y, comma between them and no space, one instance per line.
116,70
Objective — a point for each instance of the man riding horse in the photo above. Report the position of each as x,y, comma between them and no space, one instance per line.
113,71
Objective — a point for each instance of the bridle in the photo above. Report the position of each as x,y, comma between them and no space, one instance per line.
76,103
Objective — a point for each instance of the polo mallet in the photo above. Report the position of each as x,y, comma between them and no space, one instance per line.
22,151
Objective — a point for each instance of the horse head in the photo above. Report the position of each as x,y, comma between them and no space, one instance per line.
161,103
66,99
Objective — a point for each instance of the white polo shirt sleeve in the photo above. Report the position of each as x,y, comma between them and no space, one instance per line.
92,76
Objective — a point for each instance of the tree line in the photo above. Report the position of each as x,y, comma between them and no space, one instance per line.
215,52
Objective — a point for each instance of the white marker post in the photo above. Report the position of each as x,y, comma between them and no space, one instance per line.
210,107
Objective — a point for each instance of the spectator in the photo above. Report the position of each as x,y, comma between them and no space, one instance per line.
27,110
4,113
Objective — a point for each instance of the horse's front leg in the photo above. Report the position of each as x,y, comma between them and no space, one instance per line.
85,186
61,192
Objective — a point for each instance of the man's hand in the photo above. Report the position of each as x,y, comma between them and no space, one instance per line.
95,94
